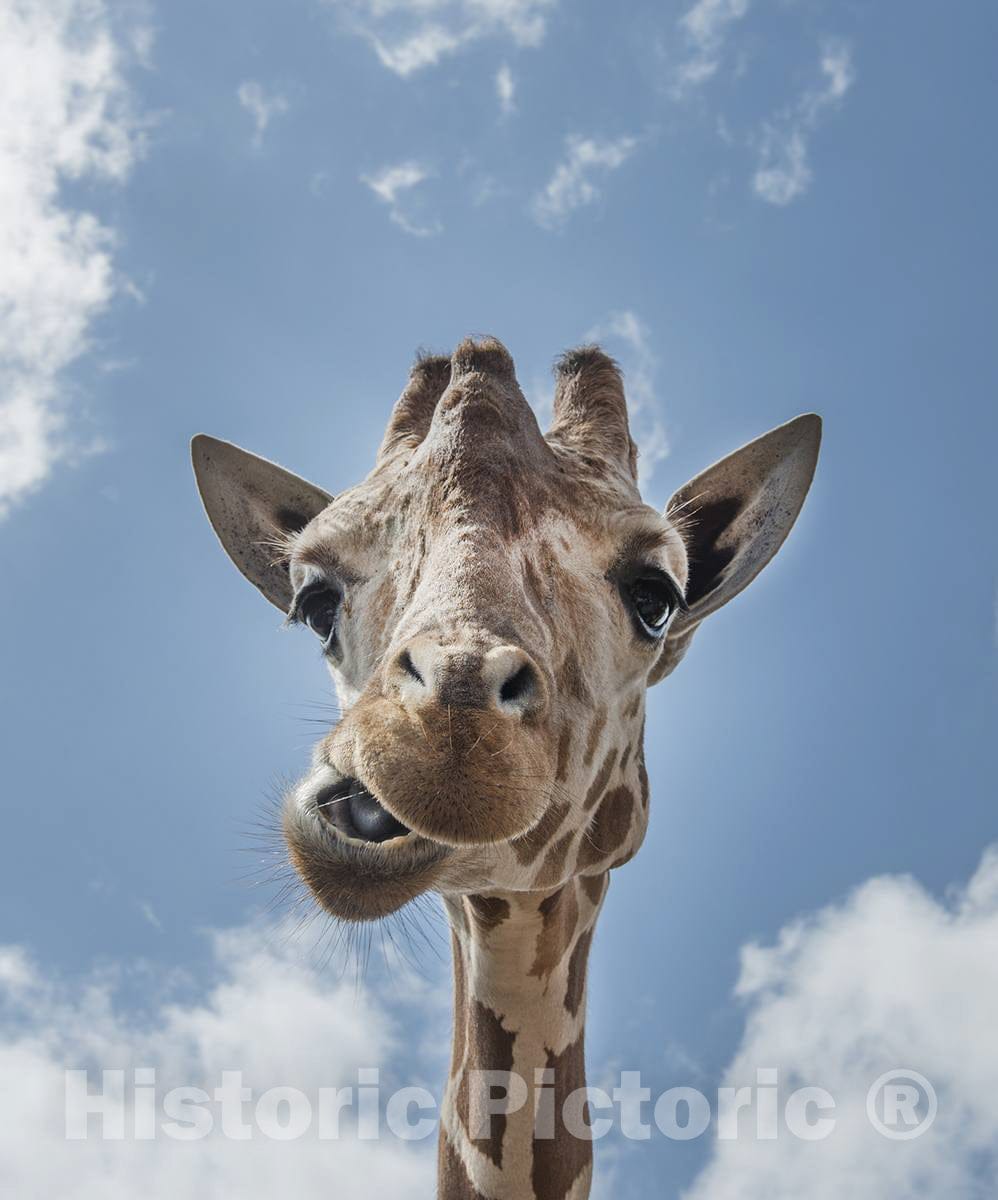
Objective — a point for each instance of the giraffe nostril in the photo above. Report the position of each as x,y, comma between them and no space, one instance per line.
431,675
409,667
519,686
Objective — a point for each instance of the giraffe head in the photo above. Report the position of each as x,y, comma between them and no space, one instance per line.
492,603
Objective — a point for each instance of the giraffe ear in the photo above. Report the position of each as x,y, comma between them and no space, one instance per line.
252,504
734,517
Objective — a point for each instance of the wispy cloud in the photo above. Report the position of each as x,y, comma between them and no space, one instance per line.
409,35
269,1014
392,184
891,978
506,90
626,336
67,116
149,914
783,173
262,106
570,186
704,29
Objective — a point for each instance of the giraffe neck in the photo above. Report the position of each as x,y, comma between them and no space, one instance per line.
519,1009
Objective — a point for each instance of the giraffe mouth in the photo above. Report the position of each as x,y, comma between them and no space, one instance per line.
357,815
359,861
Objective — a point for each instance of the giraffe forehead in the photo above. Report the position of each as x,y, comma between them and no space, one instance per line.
506,481
543,532
484,524
480,487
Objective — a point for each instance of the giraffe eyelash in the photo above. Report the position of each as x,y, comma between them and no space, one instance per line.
299,614
653,572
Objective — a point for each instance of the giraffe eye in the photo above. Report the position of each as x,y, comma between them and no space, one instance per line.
319,611
653,599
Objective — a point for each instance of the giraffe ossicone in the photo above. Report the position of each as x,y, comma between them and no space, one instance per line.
493,602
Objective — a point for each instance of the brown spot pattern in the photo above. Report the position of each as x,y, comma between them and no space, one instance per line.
609,827
560,913
452,1178
564,746
490,1048
554,862
560,1160
594,886
489,911
535,841
595,733
643,776
571,681
598,785
576,987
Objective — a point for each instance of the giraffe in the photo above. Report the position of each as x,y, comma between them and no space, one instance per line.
493,603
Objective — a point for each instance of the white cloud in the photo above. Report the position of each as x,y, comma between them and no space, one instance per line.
392,184
149,914
408,35
424,48
16,970
270,1015
506,90
836,66
570,187
704,29
390,181
783,173
263,106
890,978
65,116
626,336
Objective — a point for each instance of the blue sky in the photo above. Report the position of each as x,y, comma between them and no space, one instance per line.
246,218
